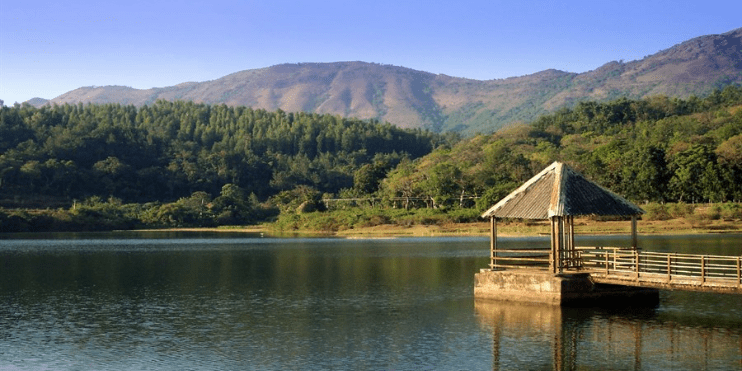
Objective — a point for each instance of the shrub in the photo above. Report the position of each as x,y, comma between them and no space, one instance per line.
655,211
711,212
680,209
375,220
464,215
731,211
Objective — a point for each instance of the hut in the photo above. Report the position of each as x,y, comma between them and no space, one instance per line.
558,194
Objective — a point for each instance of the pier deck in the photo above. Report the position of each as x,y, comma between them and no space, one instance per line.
667,271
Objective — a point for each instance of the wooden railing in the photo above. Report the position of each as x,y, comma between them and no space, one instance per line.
521,258
682,269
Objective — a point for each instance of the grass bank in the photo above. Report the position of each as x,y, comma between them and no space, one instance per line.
584,226
676,218
375,222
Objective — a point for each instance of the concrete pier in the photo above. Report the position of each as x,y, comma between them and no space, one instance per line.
569,289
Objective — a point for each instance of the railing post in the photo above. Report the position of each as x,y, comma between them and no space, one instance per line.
606,262
739,271
615,256
703,268
669,267
636,260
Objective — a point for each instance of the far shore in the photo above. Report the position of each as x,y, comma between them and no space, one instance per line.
584,226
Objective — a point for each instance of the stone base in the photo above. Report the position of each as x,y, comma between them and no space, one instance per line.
574,289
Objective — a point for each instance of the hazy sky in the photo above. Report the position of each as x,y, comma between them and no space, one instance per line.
50,47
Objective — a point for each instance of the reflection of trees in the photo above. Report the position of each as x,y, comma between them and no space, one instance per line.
543,337
261,304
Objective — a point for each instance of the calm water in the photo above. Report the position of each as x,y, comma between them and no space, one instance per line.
240,302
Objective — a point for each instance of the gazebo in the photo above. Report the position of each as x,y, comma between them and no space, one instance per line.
557,193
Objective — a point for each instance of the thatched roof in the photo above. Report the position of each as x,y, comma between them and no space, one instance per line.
560,191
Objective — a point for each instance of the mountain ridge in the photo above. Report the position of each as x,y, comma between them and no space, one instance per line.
410,98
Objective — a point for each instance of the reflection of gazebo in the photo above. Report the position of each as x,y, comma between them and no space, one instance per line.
558,194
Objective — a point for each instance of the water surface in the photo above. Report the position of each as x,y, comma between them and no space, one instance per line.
203,301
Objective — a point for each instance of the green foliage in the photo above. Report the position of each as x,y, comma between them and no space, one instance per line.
657,149
168,150
730,211
655,211
494,194
301,199
186,164
351,218
680,209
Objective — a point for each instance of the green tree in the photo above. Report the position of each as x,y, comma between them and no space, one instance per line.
694,176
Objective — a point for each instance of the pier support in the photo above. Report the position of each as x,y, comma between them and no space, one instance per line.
575,289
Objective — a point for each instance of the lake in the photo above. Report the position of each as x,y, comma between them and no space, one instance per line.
230,301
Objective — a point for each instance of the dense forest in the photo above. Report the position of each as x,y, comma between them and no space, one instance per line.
173,159
187,164
656,149
170,150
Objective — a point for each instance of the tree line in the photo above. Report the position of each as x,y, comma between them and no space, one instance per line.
657,149
170,150
188,164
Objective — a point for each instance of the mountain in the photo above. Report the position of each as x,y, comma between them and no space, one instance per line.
38,102
409,98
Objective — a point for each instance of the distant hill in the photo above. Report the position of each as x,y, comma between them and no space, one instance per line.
409,98
38,102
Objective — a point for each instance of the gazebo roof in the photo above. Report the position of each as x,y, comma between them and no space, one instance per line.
560,191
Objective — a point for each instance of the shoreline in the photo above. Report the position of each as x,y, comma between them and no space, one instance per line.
583,226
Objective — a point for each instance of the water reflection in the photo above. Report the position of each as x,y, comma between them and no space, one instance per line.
212,302
551,337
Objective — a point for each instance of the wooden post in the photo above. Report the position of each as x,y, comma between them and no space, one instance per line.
739,271
552,253
634,243
560,244
606,263
565,245
669,267
636,260
703,269
573,254
615,257
563,242
493,242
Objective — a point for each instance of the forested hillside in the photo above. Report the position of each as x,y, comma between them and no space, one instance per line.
168,150
417,99
656,149
185,164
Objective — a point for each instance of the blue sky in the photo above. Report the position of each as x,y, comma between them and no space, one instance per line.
50,47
